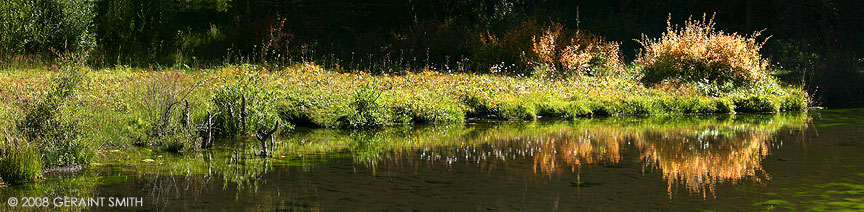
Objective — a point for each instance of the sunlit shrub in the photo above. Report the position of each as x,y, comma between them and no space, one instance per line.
561,53
698,52
47,124
312,110
169,118
244,105
504,53
757,103
795,100
424,108
555,106
515,109
366,110
167,105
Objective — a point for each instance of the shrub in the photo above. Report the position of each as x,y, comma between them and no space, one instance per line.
514,108
366,109
559,53
757,103
181,141
47,124
424,108
697,52
63,145
504,53
41,112
167,106
244,105
478,102
313,107
795,100
20,160
169,120
42,26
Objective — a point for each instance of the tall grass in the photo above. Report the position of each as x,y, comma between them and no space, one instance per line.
20,161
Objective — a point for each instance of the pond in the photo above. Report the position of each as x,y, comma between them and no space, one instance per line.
789,161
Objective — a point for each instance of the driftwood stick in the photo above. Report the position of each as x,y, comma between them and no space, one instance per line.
208,127
186,118
265,136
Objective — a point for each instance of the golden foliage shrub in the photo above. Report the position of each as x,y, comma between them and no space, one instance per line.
558,52
504,53
698,52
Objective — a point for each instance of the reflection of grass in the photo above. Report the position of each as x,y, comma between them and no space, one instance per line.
772,204
80,184
835,196
556,147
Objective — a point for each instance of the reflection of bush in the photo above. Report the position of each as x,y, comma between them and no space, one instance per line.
696,152
701,162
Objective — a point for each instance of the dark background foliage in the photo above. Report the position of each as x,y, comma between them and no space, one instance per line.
818,44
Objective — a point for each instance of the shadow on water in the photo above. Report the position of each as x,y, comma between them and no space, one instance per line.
541,165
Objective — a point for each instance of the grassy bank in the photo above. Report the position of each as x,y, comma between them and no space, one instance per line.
57,115
118,106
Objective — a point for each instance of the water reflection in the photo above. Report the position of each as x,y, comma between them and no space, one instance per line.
693,152
696,153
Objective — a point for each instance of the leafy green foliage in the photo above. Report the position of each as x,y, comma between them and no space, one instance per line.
242,105
366,109
43,26
47,124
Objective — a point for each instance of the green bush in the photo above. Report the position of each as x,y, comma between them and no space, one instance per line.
515,109
478,103
561,107
757,103
366,110
64,145
43,26
424,108
180,142
47,124
794,100
20,161
244,105
313,108
41,113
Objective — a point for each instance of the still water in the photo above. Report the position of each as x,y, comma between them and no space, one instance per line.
780,162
